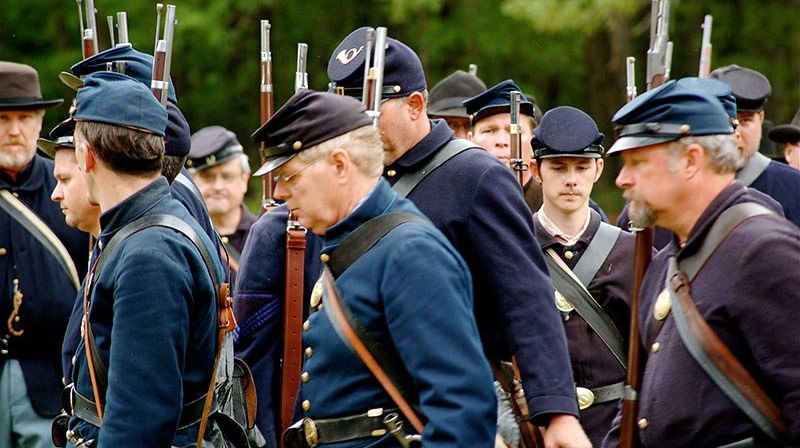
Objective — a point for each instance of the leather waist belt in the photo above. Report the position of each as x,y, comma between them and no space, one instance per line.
85,409
311,432
603,394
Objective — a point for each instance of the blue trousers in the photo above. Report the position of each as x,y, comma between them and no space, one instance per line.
20,425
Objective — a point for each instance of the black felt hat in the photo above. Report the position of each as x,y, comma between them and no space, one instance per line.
447,95
20,89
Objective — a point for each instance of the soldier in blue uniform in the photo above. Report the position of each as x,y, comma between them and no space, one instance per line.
127,60
680,158
757,171
38,282
446,100
328,161
152,303
490,116
221,169
591,262
478,205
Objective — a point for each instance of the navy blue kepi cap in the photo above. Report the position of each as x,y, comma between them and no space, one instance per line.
122,59
566,132
306,120
713,87
211,146
402,69
750,87
119,100
496,100
667,113
60,137
178,136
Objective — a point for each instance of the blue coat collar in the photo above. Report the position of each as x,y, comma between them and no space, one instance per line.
133,207
377,203
439,135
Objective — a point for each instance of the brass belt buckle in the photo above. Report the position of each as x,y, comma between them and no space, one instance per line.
310,432
585,397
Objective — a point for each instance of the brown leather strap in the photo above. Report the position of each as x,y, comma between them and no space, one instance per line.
226,323
720,356
292,319
334,308
87,332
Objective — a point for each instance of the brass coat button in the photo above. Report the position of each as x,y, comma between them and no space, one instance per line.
305,377
643,423
324,258
309,352
3,251
569,255
391,173
662,306
73,360
225,240
306,325
306,405
655,347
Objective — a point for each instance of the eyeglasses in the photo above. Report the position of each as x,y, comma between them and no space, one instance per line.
288,178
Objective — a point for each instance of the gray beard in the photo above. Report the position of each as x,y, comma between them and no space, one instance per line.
16,161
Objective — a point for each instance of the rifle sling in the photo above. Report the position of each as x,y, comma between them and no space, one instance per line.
292,320
349,250
596,253
31,222
757,164
407,182
717,360
586,306
710,352
172,222
690,266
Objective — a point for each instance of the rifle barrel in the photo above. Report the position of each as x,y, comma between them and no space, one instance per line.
267,97
369,74
110,20
122,26
705,48
91,23
301,76
630,65
380,58
517,163
473,69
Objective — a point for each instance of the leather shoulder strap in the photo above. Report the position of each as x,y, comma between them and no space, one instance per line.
757,164
40,230
722,227
409,181
597,252
717,360
131,228
364,237
566,282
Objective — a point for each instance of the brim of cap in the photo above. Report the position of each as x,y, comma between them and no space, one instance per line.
785,133
273,164
50,147
588,155
633,142
30,105
459,112
70,80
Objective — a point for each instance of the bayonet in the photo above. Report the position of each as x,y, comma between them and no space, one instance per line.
301,76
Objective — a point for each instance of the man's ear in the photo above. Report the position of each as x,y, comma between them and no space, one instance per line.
600,165
537,175
342,163
694,158
416,106
89,158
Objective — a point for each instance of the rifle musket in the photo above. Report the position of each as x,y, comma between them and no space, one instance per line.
380,59
110,20
122,28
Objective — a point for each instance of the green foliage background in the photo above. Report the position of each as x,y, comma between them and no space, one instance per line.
564,52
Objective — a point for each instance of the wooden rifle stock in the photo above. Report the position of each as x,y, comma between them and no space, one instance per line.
158,68
630,401
267,109
508,377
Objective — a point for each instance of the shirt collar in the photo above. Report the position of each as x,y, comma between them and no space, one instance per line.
552,228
